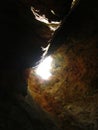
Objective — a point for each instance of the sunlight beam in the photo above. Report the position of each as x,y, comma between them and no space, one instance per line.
44,68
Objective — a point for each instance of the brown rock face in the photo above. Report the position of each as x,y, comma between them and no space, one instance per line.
71,95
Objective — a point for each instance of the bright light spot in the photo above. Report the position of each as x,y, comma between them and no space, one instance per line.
52,12
53,25
44,68
74,2
39,17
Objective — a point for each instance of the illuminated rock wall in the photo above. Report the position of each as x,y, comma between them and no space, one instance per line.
71,94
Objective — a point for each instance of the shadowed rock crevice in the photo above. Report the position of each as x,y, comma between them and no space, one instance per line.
70,96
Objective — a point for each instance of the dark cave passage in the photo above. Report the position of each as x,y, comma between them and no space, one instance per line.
67,31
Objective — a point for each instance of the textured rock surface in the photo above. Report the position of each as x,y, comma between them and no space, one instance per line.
71,96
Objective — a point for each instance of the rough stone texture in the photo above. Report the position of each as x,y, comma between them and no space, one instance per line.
71,95
18,114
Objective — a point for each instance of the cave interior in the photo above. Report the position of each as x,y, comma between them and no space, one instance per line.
70,28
